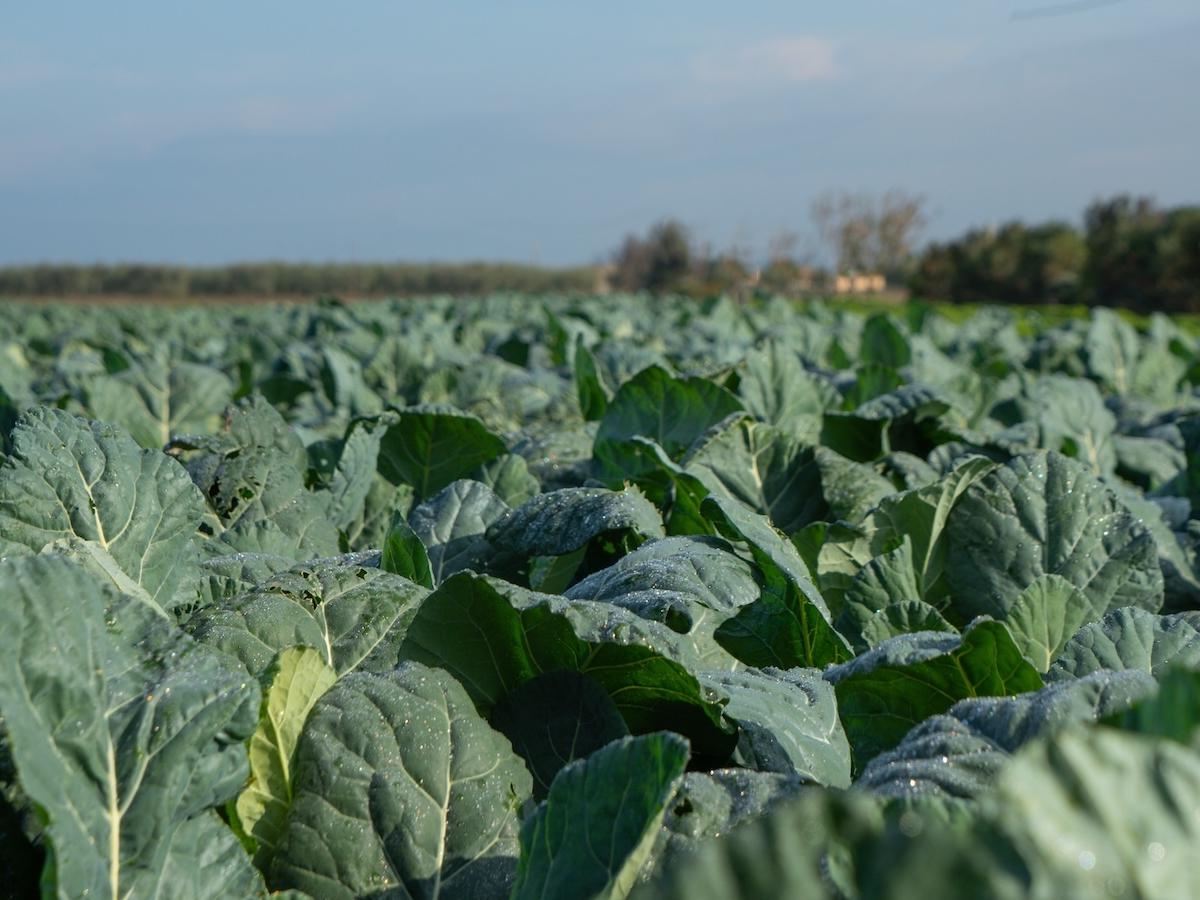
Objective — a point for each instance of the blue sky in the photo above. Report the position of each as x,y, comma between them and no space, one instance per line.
223,131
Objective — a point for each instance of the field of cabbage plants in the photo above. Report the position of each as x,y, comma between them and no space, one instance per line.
597,598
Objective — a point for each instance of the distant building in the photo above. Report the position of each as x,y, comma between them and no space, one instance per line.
859,283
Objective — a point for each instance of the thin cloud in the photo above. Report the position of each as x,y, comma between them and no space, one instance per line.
25,74
771,63
1061,9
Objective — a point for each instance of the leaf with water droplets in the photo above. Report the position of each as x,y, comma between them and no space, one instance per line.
788,723
1131,638
68,478
1043,618
885,691
292,684
558,522
690,584
453,525
355,615
125,734
959,754
1044,514
400,785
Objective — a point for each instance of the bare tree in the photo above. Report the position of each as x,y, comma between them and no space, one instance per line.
867,233
783,245
846,224
899,224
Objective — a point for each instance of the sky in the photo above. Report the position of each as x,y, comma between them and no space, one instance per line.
545,131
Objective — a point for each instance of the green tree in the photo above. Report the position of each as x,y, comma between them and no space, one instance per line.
1179,260
659,262
1122,266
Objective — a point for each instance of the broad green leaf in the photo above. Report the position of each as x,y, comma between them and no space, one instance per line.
1044,514
1176,549
561,521
453,526
555,719
788,723
354,474
1101,813
509,478
558,456
778,390
341,378
68,478
921,516
886,691
708,804
594,395
1112,349
883,343
125,733
1131,638
595,831
354,615
766,468
850,489
885,581
428,447
905,617
400,786
1044,617
1150,462
404,554
834,553
1066,415
788,625
253,469
1172,712
494,637
224,577
300,529
294,681
871,380
669,410
383,501
690,584
960,753
778,856
907,471
154,400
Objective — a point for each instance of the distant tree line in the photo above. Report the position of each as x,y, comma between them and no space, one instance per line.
860,234
264,280
1130,252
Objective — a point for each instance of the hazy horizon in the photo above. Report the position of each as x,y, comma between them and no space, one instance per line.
540,133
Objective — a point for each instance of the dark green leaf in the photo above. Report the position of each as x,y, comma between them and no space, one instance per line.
596,829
